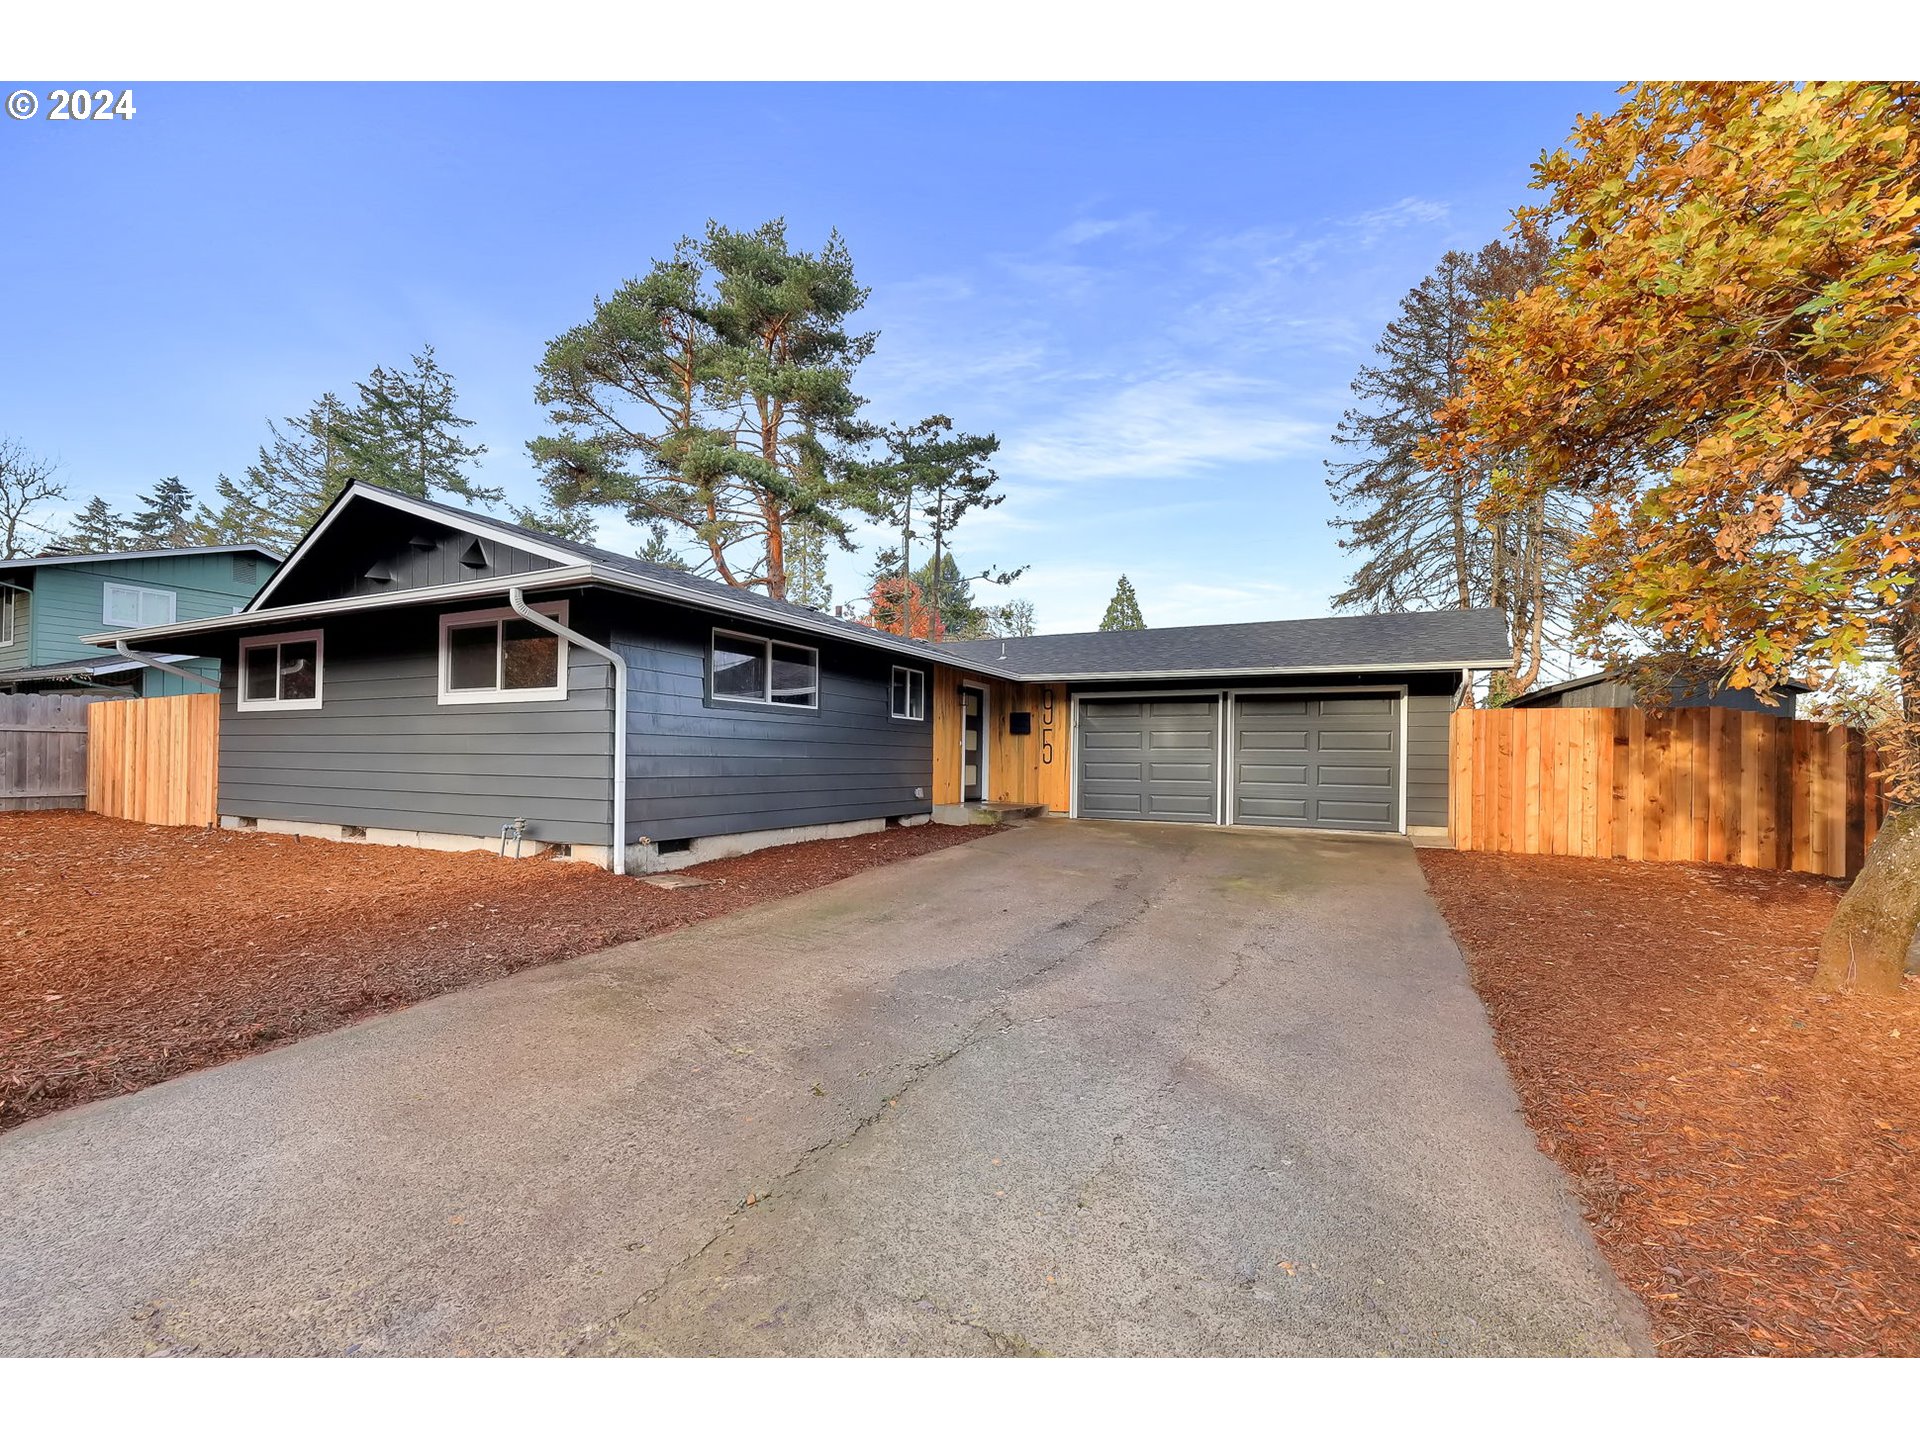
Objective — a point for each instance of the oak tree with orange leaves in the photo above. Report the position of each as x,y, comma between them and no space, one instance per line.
1725,356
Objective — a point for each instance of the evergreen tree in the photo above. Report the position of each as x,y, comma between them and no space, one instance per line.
165,520
295,476
713,396
97,530
405,434
1423,537
807,582
1123,611
576,525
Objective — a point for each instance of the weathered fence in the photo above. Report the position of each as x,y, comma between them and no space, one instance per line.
43,751
1708,784
155,761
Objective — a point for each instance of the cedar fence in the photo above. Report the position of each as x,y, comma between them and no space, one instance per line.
43,751
156,760
1724,786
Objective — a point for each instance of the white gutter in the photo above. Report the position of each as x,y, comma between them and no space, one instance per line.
518,601
155,663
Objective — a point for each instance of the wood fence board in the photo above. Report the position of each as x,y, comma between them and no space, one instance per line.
1715,785
155,761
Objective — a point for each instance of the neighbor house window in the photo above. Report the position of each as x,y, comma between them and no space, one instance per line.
6,617
909,694
757,671
498,655
281,672
136,605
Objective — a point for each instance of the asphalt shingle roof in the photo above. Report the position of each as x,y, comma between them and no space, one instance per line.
1335,642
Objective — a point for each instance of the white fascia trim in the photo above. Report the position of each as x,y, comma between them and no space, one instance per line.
562,578
423,512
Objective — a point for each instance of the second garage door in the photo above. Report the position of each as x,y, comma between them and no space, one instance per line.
1149,759
1330,762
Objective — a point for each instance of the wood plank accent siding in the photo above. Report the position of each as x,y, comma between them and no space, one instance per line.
1721,786
154,761
1031,769
43,751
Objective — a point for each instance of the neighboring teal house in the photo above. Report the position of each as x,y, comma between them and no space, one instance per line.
48,601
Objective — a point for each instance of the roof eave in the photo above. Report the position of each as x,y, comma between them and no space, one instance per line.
1228,672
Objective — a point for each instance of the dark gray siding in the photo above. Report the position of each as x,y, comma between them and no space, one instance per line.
1429,741
382,751
372,540
1604,693
1429,704
697,767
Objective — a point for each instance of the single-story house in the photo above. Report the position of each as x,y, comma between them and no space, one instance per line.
417,673
48,602
1615,690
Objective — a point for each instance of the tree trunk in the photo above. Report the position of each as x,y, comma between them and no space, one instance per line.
1865,947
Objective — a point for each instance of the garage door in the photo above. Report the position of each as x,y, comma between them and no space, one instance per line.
1330,762
1149,759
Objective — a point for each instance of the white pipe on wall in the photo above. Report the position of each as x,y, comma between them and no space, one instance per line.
518,601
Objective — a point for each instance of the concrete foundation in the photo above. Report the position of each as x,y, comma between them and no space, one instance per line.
418,839
645,858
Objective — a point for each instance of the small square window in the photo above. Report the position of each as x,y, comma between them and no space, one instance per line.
498,655
281,672
909,694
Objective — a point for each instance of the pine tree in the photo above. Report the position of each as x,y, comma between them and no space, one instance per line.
713,395
165,519
405,434
1123,611
97,530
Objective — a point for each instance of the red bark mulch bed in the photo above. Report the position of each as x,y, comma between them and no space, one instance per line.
132,953
1748,1151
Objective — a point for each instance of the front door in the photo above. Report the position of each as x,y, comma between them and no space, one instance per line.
973,730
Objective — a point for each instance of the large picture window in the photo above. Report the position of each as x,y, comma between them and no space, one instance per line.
752,670
281,672
135,605
491,656
909,694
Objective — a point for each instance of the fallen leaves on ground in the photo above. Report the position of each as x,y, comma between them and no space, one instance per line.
1744,1147
133,953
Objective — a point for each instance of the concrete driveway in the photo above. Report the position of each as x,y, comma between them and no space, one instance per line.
1078,1088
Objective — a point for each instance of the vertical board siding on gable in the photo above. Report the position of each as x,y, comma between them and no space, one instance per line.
382,751
377,538
696,769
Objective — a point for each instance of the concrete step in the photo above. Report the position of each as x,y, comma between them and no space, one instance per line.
990,813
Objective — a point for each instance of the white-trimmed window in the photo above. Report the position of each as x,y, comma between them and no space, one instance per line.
135,605
282,672
490,657
753,670
6,617
909,693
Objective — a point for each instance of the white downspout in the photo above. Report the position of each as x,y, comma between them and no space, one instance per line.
573,637
148,660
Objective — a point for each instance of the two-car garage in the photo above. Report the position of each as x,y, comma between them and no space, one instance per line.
1317,761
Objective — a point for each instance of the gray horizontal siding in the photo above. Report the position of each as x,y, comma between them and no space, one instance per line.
381,751
1428,740
697,767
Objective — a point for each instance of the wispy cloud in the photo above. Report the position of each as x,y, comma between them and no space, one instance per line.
1168,428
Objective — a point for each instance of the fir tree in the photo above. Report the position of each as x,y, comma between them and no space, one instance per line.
1123,611
405,434
165,520
807,582
97,530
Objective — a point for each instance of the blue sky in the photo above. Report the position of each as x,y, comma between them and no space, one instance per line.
1154,295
